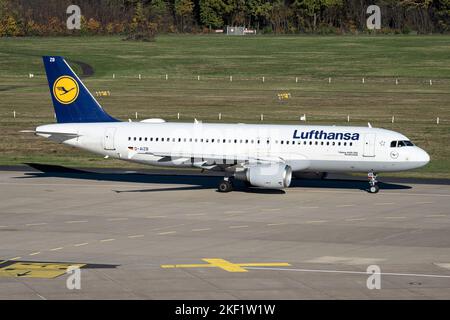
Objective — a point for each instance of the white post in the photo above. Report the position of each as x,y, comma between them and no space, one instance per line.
136,115
329,80
231,78
167,76
263,79
396,81
139,76
262,117
14,113
431,82
178,116
348,118
296,79
437,120
393,119
363,80
114,75
220,116
198,78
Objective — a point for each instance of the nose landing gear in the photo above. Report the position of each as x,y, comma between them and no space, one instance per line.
373,182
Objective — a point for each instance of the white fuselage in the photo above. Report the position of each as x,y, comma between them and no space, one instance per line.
302,147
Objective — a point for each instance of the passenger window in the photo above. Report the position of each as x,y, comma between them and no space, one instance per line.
393,144
351,143
145,138
156,139
140,138
129,138
151,139
310,143
134,138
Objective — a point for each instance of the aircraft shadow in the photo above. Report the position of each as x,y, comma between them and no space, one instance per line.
189,181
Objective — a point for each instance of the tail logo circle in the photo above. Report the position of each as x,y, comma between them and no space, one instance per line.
65,89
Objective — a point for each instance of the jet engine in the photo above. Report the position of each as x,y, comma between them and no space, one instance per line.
276,176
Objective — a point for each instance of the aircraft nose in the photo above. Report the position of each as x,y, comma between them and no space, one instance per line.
422,157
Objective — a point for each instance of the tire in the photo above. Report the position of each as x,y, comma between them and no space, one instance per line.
374,189
225,186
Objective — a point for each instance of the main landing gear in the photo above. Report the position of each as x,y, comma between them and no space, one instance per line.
226,185
373,183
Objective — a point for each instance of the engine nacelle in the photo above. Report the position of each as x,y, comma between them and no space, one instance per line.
276,176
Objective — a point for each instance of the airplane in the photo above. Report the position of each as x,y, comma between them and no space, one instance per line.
260,155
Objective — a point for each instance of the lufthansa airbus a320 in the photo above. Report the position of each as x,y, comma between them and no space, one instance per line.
265,156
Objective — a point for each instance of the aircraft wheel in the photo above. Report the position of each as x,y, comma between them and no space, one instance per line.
374,189
225,186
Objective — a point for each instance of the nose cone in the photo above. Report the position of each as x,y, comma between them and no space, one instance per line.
421,157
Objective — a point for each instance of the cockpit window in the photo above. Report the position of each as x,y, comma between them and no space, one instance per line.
401,143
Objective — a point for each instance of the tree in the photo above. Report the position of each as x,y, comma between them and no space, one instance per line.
183,11
211,12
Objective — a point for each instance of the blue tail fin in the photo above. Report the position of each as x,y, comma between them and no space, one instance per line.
72,101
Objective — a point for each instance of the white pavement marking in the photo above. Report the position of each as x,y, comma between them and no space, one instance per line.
443,265
15,258
234,211
345,205
56,249
384,204
136,236
34,253
355,219
36,224
107,240
316,221
276,224
424,202
345,260
352,272
153,217
197,230
81,244
76,221
168,232
237,227
117,219
3,226
435,216
195,214
308,207
394,218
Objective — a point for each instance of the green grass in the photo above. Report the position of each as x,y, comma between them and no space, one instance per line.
413,59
